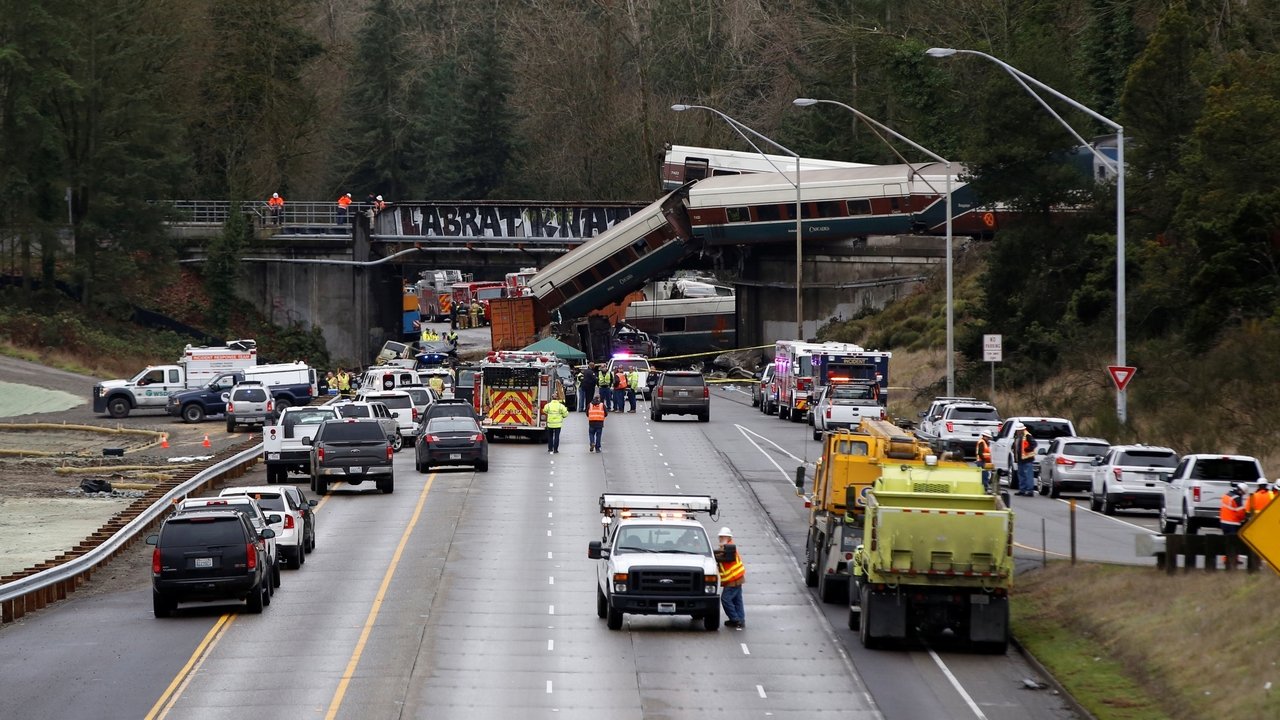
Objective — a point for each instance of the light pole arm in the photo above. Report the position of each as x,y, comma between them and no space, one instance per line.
1073,103
872,121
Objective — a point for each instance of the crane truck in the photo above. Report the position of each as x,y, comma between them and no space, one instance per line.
936,555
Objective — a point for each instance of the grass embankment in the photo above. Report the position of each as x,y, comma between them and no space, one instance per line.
1136,644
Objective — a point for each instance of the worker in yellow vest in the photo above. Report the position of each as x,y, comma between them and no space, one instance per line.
733,573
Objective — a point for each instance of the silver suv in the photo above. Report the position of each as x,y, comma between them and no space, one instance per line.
1131,476
681,393
250,403
1067,465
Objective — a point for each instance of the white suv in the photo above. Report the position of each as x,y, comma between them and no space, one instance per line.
250,403
376,410
401,405
291,533
1131,476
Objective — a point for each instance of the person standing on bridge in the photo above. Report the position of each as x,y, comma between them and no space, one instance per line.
982,458
732,575
276,206
1231,514
596,413
344,203
556,413
619,390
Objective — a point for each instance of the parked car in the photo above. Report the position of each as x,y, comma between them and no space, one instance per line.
456,440
422,397
376,411
292,533
250,404
448,408
1193,495
401,405
259,519
1067,465
1131,476
843,405
308,507
681,392
353,451
209,554
761,388
1042,429
960,425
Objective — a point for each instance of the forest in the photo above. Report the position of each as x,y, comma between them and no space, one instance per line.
107,106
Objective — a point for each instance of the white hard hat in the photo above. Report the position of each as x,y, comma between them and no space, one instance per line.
275,195
726,532
379,197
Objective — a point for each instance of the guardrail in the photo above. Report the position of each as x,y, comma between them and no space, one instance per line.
215,212
36,587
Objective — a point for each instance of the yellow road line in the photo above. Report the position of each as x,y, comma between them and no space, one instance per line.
174,691
347,674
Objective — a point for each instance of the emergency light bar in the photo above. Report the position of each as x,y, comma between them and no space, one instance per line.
609,503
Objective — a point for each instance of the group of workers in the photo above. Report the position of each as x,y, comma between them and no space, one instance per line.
464,314
614,389
1025,445
375,203
1239,504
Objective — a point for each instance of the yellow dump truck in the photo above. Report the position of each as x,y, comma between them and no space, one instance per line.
936,556
851,461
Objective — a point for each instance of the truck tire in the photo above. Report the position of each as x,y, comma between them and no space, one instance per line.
614,618
829,589
387,486
482,466
817,434
162,605
602,604
257,599
704,416
397,443
864,626
855,620
1167,526
322,485
711,621
231,425
192,413
119,407
1190,525
281,404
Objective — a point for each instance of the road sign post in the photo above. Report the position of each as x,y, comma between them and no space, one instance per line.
993,352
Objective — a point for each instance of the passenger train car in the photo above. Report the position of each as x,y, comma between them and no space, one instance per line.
683,163
688,325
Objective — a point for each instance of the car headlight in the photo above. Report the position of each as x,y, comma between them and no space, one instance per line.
619,582
712,584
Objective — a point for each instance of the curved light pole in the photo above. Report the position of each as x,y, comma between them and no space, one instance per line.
951,366
739,127
1023,78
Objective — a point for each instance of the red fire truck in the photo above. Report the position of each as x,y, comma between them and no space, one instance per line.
511,388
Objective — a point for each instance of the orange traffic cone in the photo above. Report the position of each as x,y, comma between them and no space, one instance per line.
164,440
206,442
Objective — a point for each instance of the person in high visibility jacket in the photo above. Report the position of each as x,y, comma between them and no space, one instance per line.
633,379
1231,514
344,382
982,457
344,203
1026,446
619,390
604,381
1259,499
276,205
733,573
596,413
556,413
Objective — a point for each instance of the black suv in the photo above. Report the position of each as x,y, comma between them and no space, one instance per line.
209,555
681,393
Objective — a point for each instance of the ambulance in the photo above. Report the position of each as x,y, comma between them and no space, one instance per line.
794,376
511,389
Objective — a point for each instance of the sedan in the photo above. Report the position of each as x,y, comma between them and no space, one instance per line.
1066,465
452,441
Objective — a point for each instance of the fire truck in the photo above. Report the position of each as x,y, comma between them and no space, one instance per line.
511,389
863,365
793,371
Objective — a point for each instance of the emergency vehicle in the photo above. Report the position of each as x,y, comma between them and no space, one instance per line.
794,375
511,388
150,388
518,282
858,366
655,558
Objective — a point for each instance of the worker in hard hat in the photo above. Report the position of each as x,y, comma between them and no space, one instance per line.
732,575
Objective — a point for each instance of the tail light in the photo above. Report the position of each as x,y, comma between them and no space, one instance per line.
288,522
271,405
155,561
478,437
415,414
320,454
272,432
1195,493
433,438
231,407
1064,461
951,427
251,556
659,391
1118,473
706,392
390,452
827,414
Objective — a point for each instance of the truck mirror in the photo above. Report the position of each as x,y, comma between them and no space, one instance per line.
593,550
800,478
306,440
226,397
153,539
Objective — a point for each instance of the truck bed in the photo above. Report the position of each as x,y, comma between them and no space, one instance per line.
963,545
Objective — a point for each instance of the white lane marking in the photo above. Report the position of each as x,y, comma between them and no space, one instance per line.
549,555
667,464
551,609
548,533
550,499
766,455
745,651
548,514
661,455
977,711
551,645
760,690
551,484
672,475
1109,517
781,449
548,687
551,579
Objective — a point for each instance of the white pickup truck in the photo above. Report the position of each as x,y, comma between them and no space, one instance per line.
282,444
1004,456
961,424
843,405
1193,495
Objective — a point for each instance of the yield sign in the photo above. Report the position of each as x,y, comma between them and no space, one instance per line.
1262,534
1121,375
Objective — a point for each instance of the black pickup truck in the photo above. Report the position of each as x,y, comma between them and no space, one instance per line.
352,450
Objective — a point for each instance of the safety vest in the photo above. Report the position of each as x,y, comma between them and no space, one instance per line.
343,202
595,412
1028,448
732,573
633,379
983,451
556,413
1232,510
604,379
344,381
276,202
1259,500
621,379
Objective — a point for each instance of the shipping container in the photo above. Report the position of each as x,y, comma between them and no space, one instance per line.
514,322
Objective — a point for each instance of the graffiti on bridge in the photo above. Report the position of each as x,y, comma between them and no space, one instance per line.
503,221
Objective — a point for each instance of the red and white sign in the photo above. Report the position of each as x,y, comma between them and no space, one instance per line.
1121,375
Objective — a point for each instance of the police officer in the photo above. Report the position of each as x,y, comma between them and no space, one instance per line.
586,386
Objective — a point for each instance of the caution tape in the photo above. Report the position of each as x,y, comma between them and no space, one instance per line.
713,352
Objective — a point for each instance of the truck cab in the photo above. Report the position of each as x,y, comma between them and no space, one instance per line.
655,558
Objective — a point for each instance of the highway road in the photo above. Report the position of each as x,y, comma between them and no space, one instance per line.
470,595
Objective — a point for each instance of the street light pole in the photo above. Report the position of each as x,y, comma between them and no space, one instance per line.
739,127
1122,411
951,367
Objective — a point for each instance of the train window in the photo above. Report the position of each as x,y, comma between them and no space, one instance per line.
826,209
765,213
738,214
718,173
640,247
859,207
673,324
695,168
895,204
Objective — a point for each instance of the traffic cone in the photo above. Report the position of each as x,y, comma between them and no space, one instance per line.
206,442
164,440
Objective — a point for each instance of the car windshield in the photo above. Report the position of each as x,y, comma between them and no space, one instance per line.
851,392
975,412
662,539
420,396
250,395
682,380
1085,449
628,364
1148,458
1235,470
355,411
350,431
268,501
395,402
307,417
452,424
1047,429
206,531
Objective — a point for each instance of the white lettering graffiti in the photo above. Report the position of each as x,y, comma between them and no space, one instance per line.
505,221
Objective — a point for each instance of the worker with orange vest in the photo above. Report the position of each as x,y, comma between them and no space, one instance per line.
733,573
982,457
1231,514
276,205
1259,499
596,413
1026,458
344,203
